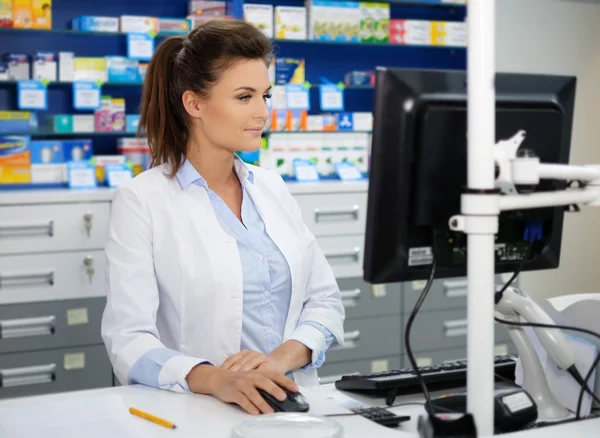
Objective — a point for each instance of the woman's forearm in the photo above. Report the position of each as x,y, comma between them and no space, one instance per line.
292,355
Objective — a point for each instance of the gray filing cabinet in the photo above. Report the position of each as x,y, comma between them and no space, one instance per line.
52,291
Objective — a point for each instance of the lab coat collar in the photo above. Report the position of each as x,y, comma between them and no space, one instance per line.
188,175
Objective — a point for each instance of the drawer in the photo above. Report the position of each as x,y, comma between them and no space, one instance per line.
51,371
52,324
363,300
368,338
444,329
53,227
435,357
330,373
334,214
344,254
45,277
449,293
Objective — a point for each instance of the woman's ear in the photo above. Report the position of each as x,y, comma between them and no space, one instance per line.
192,104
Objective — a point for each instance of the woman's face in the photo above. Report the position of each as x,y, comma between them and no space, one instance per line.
234,115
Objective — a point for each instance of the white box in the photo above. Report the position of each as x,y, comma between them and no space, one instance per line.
138,24
410,32
314,123
83,123
260,16
290,23
66,66
362,121
44,66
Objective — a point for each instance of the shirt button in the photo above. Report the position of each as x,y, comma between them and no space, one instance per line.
266,293
259,256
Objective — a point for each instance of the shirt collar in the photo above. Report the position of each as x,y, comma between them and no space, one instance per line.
188,175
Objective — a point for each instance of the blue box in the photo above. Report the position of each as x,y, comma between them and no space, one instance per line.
47,162
18,121
132,120
345,122
289,71
121,69
92,23
77,150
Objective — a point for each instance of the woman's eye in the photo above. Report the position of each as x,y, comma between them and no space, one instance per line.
245,98
267,96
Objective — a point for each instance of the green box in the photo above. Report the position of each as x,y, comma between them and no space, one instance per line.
374,22
63,123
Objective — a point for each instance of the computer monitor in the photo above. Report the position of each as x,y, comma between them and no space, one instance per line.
418,171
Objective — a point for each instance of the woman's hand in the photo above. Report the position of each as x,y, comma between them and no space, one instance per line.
247,360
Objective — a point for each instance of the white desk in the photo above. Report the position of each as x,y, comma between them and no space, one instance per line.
197,415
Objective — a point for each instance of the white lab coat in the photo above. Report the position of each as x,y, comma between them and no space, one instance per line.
174,277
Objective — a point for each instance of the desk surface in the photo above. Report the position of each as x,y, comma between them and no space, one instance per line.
193,413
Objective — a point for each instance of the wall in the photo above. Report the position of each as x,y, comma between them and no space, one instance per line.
561,37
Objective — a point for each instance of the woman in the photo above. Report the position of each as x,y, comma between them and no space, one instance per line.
215,285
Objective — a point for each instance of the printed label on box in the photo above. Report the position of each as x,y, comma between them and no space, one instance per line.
117,174
81,175
332,98
305,171
32,95
297,97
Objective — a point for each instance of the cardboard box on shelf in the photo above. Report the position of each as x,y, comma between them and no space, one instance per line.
22,13
260,16
290,23
138,24
15,160
6,13
410,32
45,66
92,23
290,71
18,66
41,14
207,8
47,161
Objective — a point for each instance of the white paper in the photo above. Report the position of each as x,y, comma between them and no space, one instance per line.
141,48
297,99
33,99
349,173
118,177
306,173
332,100
561,383
87,98
82,177
98,417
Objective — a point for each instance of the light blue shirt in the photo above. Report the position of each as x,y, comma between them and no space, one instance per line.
267,283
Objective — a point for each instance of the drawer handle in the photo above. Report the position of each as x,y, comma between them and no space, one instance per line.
47,276
332,379
349,297
45,227
455,328
331,213
350,341
27,327
353,254
455,289
34,375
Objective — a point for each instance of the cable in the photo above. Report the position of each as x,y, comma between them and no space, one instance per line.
409,324
572,371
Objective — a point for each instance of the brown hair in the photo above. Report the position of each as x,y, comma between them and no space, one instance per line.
194,62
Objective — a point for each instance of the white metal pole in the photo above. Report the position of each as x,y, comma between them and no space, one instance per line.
480,246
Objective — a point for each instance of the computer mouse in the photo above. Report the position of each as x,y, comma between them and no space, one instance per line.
295,402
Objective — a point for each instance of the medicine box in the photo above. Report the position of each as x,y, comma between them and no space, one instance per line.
207,8
66,66
4,71
18,121
410,32
62,123
121,69
103,115
289,71
6,13
138,24
260,16
90,69
334,20
290,23
118,114
18,66
83,123
15,160
47,162
447,33
45,66
77,150
22,13
96,24
41,14
374,22
174,26
132,122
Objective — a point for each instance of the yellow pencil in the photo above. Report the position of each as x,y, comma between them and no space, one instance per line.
152,418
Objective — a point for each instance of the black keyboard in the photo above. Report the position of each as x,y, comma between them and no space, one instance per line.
446,375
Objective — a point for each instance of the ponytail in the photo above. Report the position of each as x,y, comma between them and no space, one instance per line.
162,118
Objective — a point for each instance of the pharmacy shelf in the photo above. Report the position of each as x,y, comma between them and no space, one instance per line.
52,134
277,41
